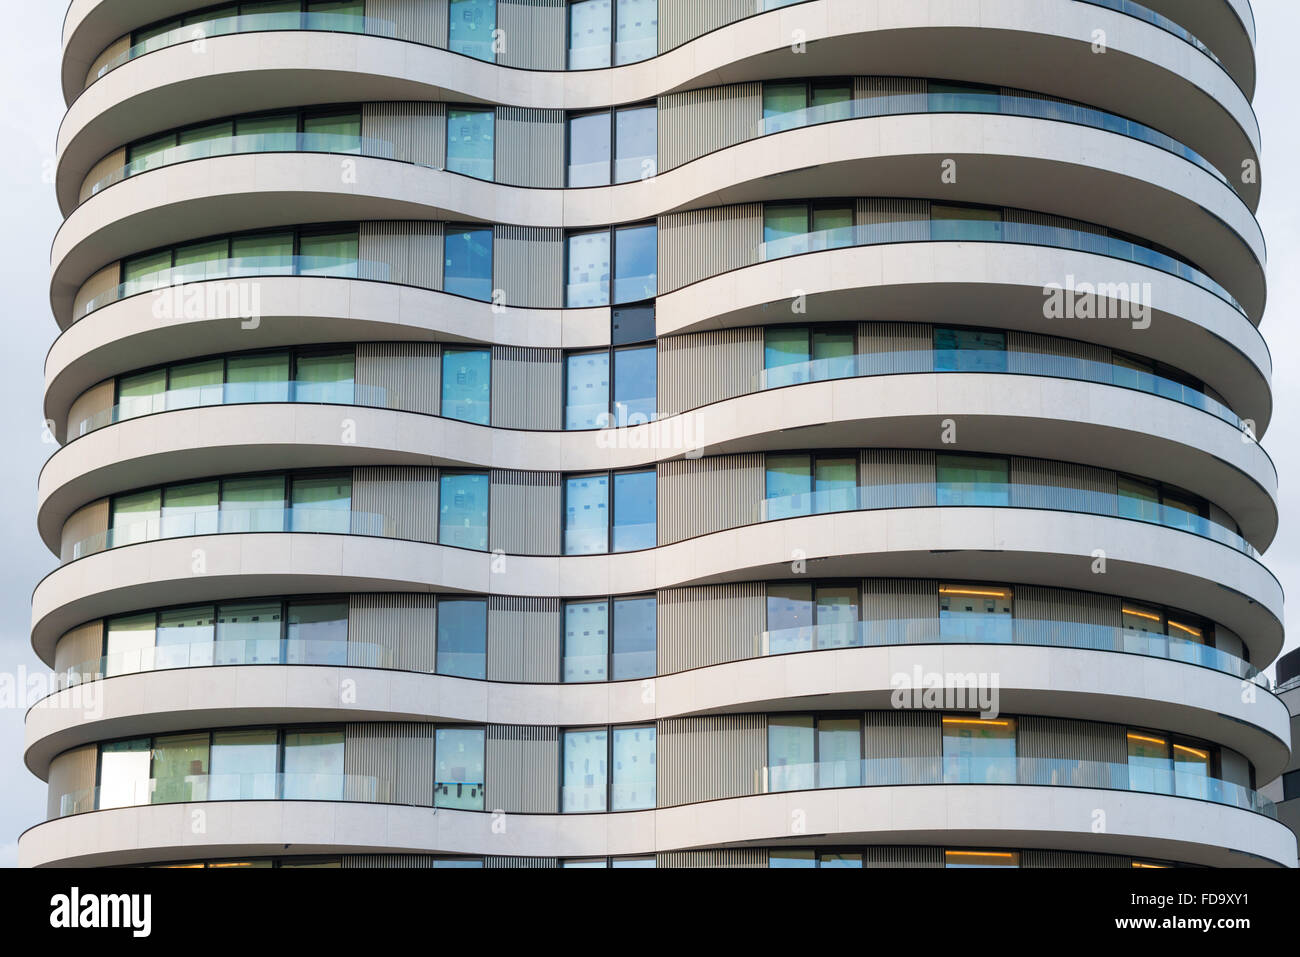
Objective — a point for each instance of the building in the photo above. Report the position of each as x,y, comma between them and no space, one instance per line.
541,433
1285,790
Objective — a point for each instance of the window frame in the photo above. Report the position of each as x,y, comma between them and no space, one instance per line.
611,352
609,730
611,507
611,640
611,232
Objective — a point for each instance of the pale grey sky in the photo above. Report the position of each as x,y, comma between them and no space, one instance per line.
32,109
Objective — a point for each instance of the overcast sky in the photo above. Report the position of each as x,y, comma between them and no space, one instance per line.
33,107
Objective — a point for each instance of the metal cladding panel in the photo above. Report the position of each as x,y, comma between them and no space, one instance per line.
417,131
527,388
1073,859
910,217
708,758
524,512
94,401
902,599
916,339
709,624
420,21
1033,354
405,495
902,857
79,647
699,368
530,147
1099,245
523,639
698,122
903,734
699,243
523,769
519,862
698,496
908,93
1033,484
404,625
397,752
535,33
404,861
1035,609
111,163
897,478
85,523
117,48
528,266
683,20
402,375
405,252
723,857
70,772
1071,740
104,281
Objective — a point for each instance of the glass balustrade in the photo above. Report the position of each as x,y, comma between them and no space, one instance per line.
267,786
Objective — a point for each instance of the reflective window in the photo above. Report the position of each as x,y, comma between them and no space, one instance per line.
978,613
325,377
588,282
190,509
586,641
635,515
636,34
636,142
969,350
196,384
634,638
185,637
463,509
313,765
180,768
791,753
979,751
807,617
322,504
635,265
590,34
462,637
248,633
328,254
124,773
253,504
636,373
467,384
470,27
586,514
316,633
142,394
458,776
585,764
794,857
263,377
972,480
244,766
633,784
589,149
470,148
789,486
586,391
1150,762
468,267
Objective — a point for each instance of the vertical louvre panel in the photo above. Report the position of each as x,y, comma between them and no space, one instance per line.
401,375
707,242
1229,642
86,523
417,131
523,637
80,648
705,367
1035,484
915,601
94,401
72,773
908,220
405,495
708,758
683,20
110,164
902,857
912,741
420,21
535,33
908,94
1070,740
405,626
529,146
1074,859
528,265
405,861
517,862
407,253
1094,240
523,769
698,496
709,624
1036,608
527,388
724,857
1032,354
698,122
897,478
397,753
117,48
903,346
524,512
104,281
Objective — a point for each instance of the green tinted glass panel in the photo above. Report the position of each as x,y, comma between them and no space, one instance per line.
180,768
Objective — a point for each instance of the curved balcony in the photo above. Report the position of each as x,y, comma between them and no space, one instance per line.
1149,76
1200,832
281,786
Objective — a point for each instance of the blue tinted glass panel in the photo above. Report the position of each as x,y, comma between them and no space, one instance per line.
634,638
634,511
462,637
467,384
586,515
586,397
470,26
636,255
458,773
586,641
588,283
636,373
589,145
468,266
463,510
633,785
470,148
